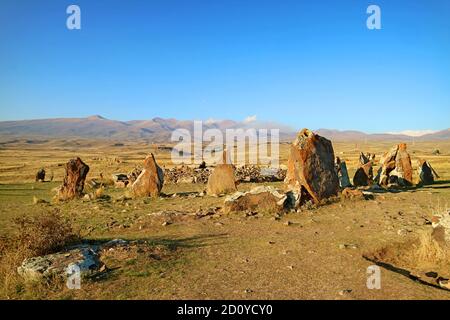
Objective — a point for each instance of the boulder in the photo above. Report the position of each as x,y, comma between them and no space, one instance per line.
262,198
342,172
403,165
426,172
311,170
73,183
57,264
363,175
150,181
40,175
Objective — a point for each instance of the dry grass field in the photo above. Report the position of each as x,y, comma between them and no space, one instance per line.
312,254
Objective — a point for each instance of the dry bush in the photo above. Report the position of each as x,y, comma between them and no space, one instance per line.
39,235
46,233
430,252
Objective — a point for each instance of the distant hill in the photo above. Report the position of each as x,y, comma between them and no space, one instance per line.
160,130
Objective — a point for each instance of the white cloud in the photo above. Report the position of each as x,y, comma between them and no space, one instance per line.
250,119
414,133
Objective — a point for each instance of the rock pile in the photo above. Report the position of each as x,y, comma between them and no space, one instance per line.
252,173
311,169
73,183
150,182
396,168
185,174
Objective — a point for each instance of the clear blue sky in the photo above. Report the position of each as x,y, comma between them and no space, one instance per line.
303,63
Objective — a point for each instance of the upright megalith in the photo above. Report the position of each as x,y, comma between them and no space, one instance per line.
73,183
396,167
363,175
150,181
342,172
311,168
222,180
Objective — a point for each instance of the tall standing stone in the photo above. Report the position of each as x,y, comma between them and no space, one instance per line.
150,181
73,183
311,170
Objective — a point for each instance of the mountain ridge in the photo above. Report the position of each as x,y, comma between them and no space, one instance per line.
160,129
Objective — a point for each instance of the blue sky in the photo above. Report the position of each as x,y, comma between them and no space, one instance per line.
303,63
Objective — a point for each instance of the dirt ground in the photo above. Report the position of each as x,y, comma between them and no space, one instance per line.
312,254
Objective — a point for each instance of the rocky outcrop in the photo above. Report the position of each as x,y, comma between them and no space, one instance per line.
262,198
150,181
311,171
73,183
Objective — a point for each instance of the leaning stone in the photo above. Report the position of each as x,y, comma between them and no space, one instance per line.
426,172
341,168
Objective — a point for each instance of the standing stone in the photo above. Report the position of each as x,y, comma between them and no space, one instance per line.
150,181
341,168
73,183
403,166
364,175
222,180
40,175
311,170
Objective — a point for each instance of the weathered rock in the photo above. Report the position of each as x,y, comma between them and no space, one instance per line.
311,170
395,167
363,175
221,180
73,183
426,172
57,264
150,182
341,169
262,198
40,175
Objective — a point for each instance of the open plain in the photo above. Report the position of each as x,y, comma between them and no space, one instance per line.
198,252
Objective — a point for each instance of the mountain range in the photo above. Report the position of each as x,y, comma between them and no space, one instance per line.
160,130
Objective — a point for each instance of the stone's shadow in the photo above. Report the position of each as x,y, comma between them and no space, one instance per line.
406,273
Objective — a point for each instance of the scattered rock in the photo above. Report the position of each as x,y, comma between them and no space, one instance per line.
349,193
262,198
311,171
150,182
73,183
